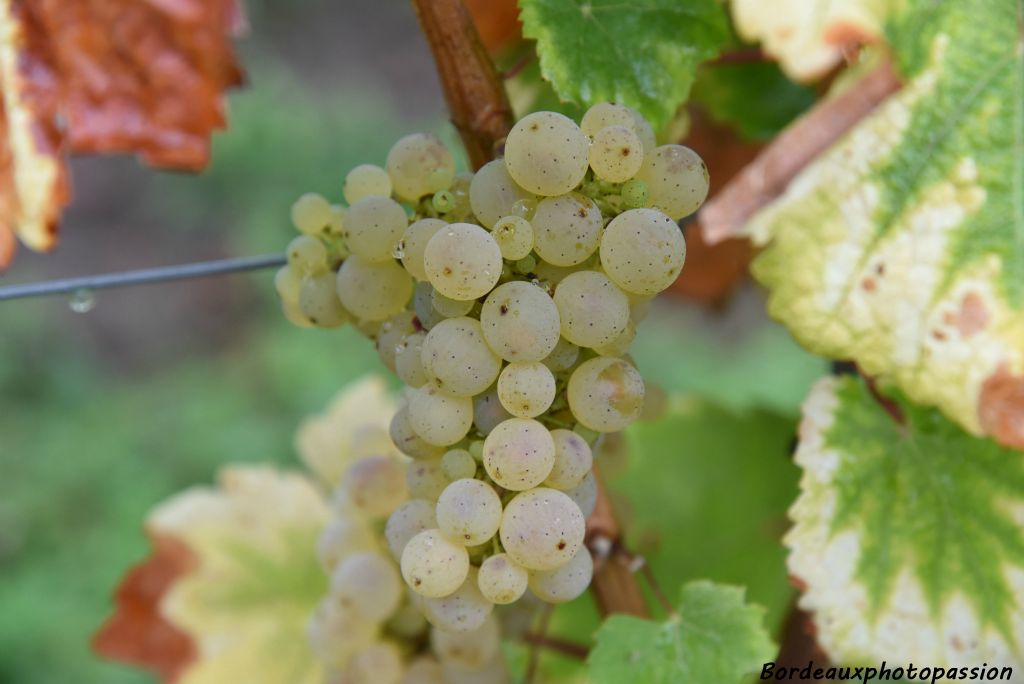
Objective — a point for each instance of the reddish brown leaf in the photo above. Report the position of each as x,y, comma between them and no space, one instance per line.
103,76
1001,408
497,22
137,633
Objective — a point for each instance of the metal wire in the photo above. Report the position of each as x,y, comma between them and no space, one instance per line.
141,277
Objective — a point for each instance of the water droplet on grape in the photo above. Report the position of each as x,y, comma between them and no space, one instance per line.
399,250
82,300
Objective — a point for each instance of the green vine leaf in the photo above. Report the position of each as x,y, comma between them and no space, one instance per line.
641,54
908,536
903,246
715,638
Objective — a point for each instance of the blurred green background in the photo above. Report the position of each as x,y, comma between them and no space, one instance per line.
104,414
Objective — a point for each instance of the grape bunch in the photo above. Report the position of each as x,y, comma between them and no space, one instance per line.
506,301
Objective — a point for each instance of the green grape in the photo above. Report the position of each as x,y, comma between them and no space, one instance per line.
520,322
423,305
677,180
634,193
465,610
374,226
336,226
419,164
562,357
458,464
311,213
366,180
519,454
409,360
438,417
621,344
488,411
643,251
514,236
407,441
433,565
450,308
373,291
546,153
524,208
380,663
565,583
318,301
408,520
585,494
414,243
425,479
526,390
288,283
391,334
341,538
458,359
493,193
605,114
593,310
306,255
501,580
375,485
542,529
573,460
606,394
616,154
463,261
368,583
443,201
567,229
470,651
424,670
469,511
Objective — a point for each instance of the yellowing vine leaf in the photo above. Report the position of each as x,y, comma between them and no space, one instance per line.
104,76
908,538
902,247
241,586
809,37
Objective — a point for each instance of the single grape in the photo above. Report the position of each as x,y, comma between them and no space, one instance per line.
621,344
605,114
368,583
366,180
424,670
501,580
391,334
306,255
616,154
634,194
519,453
643,251
567,229
493,193
374,226
546,153
380,663
542,529
562,357
606,394
463,261
341,538
458,464
433,565
414,243
423,305
439,417
291,311
336,227
573,460
318,301
585,494
311,213
565,583
456,356
375,485
373,291
409,360
465,610
677,180
408,520
470,511
425,479
288,283
526,390
514,236
419,164
450,308
472,650
488,411
407,441
520,322
592,309
336,634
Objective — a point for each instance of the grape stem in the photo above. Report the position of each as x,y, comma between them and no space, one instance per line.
472,85
565,647
765,178
481,113
542,631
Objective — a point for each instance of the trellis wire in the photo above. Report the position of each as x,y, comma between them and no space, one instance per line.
140,277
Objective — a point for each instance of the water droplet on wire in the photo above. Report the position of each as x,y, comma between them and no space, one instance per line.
82,300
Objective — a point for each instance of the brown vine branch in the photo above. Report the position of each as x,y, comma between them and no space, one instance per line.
765,178
476,98
564,647
480,111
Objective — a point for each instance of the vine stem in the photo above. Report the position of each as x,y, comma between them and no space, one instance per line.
570,649
481,113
